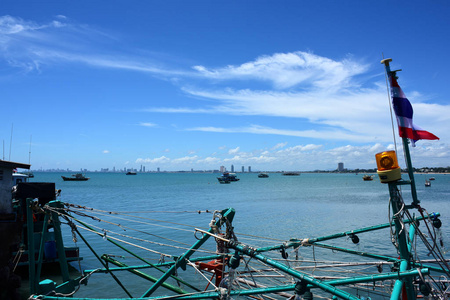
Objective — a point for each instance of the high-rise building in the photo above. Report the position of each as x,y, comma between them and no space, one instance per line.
232,168
340,166
249,169
243,170
222,169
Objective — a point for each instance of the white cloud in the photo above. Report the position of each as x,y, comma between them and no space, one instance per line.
157,160
147,124
105,151
286,70
233,151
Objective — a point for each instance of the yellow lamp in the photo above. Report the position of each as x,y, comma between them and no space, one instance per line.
388,169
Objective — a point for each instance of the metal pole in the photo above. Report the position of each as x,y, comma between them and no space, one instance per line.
226,214
30,241
59,240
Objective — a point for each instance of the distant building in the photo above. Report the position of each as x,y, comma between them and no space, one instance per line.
143,169
157,169
243,170
232,168
340,166
249,169
222,169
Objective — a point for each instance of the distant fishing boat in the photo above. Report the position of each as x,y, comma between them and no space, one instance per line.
368,177
427,183
291,173
227,177
75,177
263,175
131,173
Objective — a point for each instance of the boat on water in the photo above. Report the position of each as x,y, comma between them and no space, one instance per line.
75,177
431,178
427,183
263,175
131,173
368,177
227,177
291,173
229,268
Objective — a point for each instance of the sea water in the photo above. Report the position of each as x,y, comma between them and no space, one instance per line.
269,211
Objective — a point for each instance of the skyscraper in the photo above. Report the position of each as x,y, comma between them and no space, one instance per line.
340,166
232,168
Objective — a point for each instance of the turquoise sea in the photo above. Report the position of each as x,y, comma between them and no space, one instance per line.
162,209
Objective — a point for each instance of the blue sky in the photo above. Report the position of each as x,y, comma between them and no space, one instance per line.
276,85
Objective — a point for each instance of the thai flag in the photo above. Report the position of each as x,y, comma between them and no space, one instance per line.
404,112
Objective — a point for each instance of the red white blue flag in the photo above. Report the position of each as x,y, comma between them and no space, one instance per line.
404,112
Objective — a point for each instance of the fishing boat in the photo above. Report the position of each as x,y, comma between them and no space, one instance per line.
427,183
368,177
228,268
291,173
131,173
263,175
31,239
75,177
227,177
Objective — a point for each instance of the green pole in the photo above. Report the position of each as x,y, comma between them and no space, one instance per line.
226,214
41,247
135,255
30,241
59,240
302,276
165,264
103,263
400,231
143,275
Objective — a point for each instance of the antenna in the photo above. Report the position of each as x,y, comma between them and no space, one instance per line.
10,141
29,152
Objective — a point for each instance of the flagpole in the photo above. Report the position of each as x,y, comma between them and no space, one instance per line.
405,143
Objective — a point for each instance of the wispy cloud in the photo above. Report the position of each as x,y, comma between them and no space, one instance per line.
28,45
323,134
147,124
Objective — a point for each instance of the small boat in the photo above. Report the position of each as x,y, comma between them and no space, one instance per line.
223,180
427,183
227,177
368,177
431,178
75,177
263,175
131,173
291,173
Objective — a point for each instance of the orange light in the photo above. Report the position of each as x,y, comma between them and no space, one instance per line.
386,160
388,169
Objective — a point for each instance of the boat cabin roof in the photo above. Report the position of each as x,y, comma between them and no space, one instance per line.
13,165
